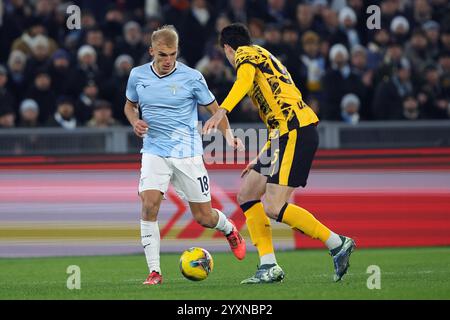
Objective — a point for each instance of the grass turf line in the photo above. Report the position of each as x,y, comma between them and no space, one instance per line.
413,273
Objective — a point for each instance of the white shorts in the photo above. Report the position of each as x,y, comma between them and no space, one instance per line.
187,175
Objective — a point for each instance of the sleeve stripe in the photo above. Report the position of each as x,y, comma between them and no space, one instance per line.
132,101
204,105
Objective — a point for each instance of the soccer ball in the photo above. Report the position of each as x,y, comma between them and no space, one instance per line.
196,264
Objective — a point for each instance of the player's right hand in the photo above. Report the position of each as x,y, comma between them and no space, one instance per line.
140,128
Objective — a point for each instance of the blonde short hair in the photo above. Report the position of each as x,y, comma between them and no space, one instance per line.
167,35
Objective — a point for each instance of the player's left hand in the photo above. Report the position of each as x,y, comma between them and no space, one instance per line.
236,144
214,121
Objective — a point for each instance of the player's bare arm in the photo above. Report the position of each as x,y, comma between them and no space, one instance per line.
224,127
140,127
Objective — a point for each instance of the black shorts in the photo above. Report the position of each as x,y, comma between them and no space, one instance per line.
288,160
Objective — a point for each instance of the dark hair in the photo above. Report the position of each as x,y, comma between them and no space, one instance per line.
64,100
102,104
235,35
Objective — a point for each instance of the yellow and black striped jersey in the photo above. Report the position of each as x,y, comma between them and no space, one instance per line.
279,101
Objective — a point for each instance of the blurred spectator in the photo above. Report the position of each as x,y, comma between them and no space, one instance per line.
6,98
7,117
434,96
116,86
34,39
59,69
272,39
221,22
29,114
104,49
256,28
64,116
304,18
17,80
13,23
102,115
416,50
87,69
389,9
422,12
330,24
195,31
431,29
350,104
293,50
85,102
360,69
312,65
400,29
441,10
218,76
275,12
337,82
73,37
106,62
45,11
26,41
60,22
347,33
389,95
41,91
445,40
359,7
113,21
411,109
358,61
377,48
175,11
237,11
291,42
132,44
88,19
391,59
95,39
444,70
40,55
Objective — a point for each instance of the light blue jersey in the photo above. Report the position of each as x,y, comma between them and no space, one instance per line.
169,106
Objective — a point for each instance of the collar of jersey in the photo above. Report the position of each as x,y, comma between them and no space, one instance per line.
166,75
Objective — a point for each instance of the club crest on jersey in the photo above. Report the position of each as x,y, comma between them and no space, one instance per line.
173,88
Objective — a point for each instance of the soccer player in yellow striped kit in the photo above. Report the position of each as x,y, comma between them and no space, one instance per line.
292,143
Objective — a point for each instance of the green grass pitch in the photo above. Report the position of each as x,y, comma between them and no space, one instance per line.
415,273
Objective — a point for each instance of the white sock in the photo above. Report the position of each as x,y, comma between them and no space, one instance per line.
268,259
150,239
333,241
223,224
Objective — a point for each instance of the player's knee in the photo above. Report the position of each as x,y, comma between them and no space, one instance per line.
150,207
272,209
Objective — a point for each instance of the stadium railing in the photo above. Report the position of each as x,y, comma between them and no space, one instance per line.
121,140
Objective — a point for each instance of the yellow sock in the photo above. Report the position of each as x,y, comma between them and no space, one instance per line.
258,225
300,219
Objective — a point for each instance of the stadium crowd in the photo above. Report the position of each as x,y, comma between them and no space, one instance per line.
53,76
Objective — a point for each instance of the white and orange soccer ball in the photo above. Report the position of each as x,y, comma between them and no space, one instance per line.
196,264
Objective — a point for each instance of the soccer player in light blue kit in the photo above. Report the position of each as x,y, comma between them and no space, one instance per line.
168,93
